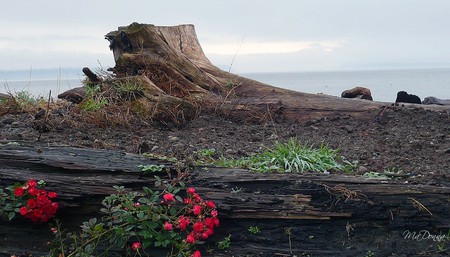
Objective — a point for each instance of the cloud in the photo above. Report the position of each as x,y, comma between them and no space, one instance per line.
276,47
14,59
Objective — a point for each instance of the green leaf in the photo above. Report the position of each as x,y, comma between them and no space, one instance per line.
11,215
140,215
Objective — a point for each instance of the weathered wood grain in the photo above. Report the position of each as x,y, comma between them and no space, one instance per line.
321,215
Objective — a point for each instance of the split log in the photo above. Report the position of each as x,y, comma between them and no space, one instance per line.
316,214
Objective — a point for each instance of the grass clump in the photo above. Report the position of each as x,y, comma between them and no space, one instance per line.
292,156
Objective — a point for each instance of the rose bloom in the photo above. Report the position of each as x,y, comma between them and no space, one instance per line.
214,213
190,238
23,210
196,254
136,246
32,203
32,183
197,209
54,230
19,191
168,226
169,197
183,222
191,190
42,200
198,227
32,191
209,222
51,194
210,204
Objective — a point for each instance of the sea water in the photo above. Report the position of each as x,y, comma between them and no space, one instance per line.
384,84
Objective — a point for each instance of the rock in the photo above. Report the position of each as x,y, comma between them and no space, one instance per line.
172,138
8,121
358,92
362,170
404,97
434,100
74,95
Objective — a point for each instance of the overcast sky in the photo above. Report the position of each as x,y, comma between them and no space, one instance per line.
285,35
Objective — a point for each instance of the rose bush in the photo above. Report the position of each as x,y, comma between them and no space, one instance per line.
30,200
176,218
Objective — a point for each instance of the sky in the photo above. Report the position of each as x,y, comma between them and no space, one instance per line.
241,35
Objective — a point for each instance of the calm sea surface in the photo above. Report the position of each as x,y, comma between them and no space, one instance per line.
384,84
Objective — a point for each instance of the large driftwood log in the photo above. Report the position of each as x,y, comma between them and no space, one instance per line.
173,59
320,215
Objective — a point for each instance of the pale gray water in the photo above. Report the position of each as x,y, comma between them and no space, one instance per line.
40,87
383,84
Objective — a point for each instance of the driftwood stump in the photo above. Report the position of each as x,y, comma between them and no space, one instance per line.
320,215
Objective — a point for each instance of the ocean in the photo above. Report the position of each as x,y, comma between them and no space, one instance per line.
384,84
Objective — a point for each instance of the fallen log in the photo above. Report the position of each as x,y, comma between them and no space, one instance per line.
315,214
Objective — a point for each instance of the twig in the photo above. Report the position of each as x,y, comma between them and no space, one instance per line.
380,114
237,51
419,205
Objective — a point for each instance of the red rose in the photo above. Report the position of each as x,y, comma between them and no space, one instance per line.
196,254
19,191
42,200
216,222
183,222
32,183
52,194
136,246
168,226
32,191
23,210
214,213
197,209
32,203
198,227
55,206
190,238
209,222
191,190
169,197
210,204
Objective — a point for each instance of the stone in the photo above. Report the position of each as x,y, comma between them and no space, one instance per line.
434,100
357,92
172,138
404,97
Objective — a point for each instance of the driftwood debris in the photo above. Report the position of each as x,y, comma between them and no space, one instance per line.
320,215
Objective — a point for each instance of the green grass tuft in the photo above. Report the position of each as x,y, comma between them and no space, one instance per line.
292,156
